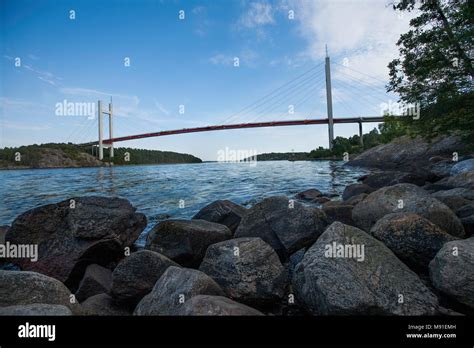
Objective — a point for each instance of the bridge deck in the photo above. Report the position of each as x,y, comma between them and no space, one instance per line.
239,126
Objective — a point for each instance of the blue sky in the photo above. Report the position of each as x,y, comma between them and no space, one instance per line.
190,62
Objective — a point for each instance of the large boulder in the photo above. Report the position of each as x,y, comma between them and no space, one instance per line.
186,241
3,233
248,270
338,277
463,166
25,288
222,212
35,309
468,223
75,233
286,225
339,211
405,198
135,276
409,154
389,178
174,288
414,239
104,304
452,270
464,179
455,192
208,305
309,195
97,280
356,189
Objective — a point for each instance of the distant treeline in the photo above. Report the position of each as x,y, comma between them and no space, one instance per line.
392,127
126,155
67,155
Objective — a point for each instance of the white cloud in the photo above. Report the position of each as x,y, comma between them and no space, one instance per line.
257,14
364,32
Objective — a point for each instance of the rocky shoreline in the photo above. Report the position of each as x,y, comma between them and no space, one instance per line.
398,242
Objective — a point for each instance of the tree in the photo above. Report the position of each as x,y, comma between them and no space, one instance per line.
435,66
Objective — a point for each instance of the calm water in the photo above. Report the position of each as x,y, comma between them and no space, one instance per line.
157,190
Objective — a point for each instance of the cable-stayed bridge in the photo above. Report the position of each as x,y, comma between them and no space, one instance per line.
294,94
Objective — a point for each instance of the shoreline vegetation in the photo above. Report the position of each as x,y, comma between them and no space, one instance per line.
69,155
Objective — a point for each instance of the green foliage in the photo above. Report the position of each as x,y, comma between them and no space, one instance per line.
140,156
435,68
32,154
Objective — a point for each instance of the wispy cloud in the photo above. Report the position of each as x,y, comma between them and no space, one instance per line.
257,14
43,75
94,93
246,57
23,127
33,56
161,107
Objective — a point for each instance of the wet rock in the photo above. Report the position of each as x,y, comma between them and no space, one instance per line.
135,276
36,309
248,270
451,271
309,195
97,280
339,212
186,241
405,198
460,192
286,225
3,232
356,189
75,233
465,210
463,166
372,285
411,237
223,212
407,154
389,178
174,288
468,224
293,261
25,288
464,179
103,304
215,305
321,200
356,199
453,202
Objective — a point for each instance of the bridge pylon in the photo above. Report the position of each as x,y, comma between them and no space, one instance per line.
101,145
329,100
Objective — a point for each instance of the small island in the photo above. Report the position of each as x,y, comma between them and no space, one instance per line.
54,155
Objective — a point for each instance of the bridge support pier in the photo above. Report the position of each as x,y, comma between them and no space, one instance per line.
329,100
100,113
361,135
